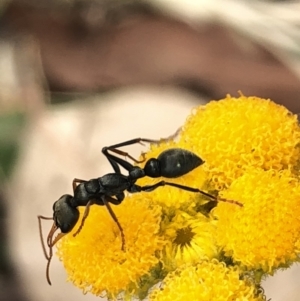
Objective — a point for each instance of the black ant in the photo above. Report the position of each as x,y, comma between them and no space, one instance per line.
171,163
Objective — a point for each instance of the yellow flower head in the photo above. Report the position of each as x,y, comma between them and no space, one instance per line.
206,281
94,260
234,134
264,234
188,240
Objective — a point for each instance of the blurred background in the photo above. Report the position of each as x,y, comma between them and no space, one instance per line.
77,75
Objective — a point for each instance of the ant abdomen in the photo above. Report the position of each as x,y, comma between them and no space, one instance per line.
172,163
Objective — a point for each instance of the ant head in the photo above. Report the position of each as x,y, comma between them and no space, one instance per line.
65,215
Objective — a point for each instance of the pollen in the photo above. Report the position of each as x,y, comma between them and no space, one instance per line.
206,281
234,134
94,260
264,233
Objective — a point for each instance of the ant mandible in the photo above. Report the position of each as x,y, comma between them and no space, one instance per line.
171,163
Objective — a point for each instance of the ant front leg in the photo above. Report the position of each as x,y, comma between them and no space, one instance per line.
85,215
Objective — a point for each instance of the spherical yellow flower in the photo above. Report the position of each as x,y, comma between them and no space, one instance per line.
189,239
94,260
206,281
234,134
264,233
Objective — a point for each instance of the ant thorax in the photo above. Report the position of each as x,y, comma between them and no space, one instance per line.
83,193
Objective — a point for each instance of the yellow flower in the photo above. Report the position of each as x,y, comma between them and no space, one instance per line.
234,134
189,239
94,260
264,234
207,281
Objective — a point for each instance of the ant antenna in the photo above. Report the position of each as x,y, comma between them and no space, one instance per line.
50,243
40,217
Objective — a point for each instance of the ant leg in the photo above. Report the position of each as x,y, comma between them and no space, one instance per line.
124,154
187,188
85,215
106,201
132,141
77,181
171,137
119,198
116,161
140,140
114,148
